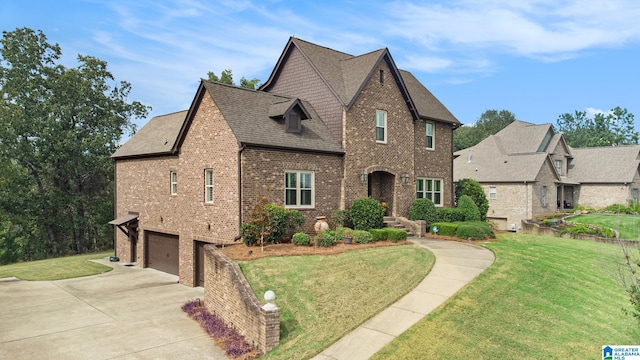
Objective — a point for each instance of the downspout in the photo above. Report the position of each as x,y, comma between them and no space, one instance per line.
115,203
526,194
240,150
452,191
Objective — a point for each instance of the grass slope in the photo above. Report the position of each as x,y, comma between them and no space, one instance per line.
57,268
627,225
322,298
543,298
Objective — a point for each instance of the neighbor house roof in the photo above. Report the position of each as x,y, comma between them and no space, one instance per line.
346,75
610,164
250,113
157,137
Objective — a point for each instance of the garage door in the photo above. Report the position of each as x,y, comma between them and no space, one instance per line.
162,252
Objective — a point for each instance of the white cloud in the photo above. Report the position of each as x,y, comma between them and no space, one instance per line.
591,112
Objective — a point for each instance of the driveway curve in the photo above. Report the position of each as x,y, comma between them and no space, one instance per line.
127,313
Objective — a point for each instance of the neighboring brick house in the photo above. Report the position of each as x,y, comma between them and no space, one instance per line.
528,170
325,128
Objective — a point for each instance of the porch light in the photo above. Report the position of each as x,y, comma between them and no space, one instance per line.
363,176
404,178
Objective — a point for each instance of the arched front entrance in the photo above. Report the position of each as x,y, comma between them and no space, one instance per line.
382,188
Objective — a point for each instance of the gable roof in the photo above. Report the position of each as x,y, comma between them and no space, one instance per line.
156,138
346,75
608,164
249,115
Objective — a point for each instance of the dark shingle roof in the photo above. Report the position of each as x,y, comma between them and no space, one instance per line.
346,74
247,113
157,137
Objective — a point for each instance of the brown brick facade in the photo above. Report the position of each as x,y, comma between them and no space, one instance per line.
227,294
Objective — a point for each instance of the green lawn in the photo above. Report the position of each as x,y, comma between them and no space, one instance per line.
627,225
543,298
57,268
322,298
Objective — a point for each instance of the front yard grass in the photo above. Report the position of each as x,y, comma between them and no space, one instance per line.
57,268
627,225
322,298
543,298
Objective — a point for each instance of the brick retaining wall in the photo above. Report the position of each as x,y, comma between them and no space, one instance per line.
227,294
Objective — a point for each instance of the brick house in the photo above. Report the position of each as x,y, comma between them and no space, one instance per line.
324,129
528,170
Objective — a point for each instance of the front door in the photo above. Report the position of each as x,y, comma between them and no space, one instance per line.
199,263
381,187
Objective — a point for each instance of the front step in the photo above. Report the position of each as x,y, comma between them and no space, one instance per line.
390,221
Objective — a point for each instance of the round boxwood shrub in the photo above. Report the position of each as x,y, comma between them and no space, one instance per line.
474,189
326,238
301,239
362,237
468,208
366,213
395,235
422,209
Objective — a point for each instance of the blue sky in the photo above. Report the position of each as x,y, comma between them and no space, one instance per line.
535,58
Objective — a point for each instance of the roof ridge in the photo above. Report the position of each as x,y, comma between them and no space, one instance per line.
322,46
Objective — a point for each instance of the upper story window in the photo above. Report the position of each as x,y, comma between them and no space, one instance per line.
558,165
430,138
208,186
493,192
430,189
381,126
299,189
173,176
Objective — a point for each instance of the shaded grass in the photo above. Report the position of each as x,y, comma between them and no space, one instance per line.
322,298
627,225
57,268
544,297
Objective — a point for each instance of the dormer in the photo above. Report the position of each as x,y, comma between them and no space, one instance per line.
292,112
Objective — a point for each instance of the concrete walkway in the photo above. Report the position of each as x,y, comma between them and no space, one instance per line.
456,265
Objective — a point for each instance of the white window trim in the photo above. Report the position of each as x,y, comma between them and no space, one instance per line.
298,189
208,188
558,168
173,180
433,135
384,126
433,192
493,193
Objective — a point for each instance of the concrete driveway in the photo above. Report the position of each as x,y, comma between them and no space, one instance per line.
127,313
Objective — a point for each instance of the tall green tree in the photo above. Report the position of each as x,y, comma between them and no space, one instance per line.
614,128
489,123
226,77
60,127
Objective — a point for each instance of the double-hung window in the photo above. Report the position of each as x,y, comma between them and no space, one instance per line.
430,189
558,165
381,126
493,192
543,196
299,189
173,175
430,138
208,186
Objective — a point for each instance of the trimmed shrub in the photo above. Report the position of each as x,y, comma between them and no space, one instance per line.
449,215
476,230
301,239
422,209
396,235
444,228
326,238
341,218
250,234
367,213
468,208
362,237
379,234
474,189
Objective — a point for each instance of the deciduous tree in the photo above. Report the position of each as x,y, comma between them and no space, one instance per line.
226,77
614,128
489,123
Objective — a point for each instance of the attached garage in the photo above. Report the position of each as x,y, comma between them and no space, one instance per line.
161,252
